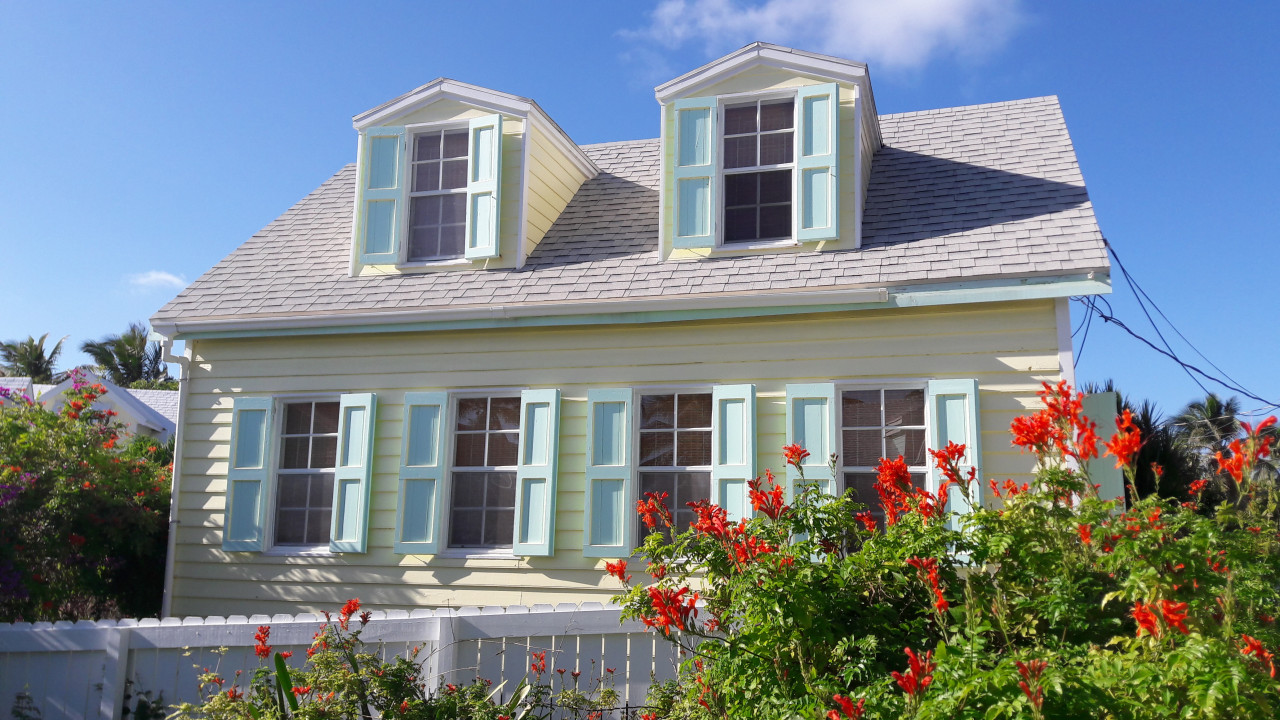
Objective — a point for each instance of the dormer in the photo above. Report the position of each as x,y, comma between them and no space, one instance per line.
453,176
767,149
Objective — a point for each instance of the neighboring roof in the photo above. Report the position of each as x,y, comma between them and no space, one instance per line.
139,408
164,402
967,193
18,385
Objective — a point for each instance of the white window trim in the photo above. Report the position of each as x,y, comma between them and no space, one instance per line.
410,136
735,99
270,548
471,553
842,387
637,394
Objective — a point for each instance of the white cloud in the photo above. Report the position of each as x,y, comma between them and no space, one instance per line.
156,280
887,34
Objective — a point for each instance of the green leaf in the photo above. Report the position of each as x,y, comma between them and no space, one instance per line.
285,683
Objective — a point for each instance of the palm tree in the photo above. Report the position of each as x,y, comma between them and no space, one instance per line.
128,358
1203,429
28,358
1158,446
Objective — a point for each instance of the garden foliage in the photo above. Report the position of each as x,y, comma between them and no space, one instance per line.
84,512
1046,601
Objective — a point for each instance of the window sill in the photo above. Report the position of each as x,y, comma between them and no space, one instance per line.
432,264
477,554
730,249
300,551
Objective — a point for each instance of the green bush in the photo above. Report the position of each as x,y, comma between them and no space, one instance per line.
84,512
1048,602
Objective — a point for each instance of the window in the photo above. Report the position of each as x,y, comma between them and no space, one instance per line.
759,155
486,448
304,482
675,451
438,195
882,423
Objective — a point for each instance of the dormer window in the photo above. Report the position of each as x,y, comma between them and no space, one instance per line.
438,196
759,156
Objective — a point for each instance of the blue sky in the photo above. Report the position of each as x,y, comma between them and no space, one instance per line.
142,142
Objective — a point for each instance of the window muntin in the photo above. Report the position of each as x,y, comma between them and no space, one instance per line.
759,157
437,195
675,451
881,423
482,506
304,480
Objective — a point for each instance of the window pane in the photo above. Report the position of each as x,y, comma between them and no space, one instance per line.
693,448
777,115
468,489
504,448
297,418
291,527
657,449
864,488
862,448
453,209
473,413
424,243
658,483
775,149
740,119
454,175
741,189
451,240
504,413
908,443
324,452
426,146
694,411
455,144
775,187
465,528
321,490
326,417
657,411
740,151
904,407
861,408
295,452
318,522
424,211
693,486
775,221
426,176
499,528
469,450
740,225
501,490
293,491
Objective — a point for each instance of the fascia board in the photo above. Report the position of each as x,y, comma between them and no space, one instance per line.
761,54
493,100
562,141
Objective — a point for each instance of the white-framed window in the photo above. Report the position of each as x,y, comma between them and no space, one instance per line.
482,498
758,158
675,433
303,509
437,195
877,423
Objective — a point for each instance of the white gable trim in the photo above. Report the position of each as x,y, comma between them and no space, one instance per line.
762,54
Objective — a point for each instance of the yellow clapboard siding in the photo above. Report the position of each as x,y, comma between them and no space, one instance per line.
553,181
1009,347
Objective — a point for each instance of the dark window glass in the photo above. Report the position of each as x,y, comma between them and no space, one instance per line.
482,506
304,490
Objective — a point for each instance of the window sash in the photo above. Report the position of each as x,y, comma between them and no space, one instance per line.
883,426
790,203
411,184
483,471
325,500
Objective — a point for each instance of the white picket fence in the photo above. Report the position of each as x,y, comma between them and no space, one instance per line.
81,670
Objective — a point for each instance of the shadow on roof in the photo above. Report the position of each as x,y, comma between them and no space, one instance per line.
913,196
610,217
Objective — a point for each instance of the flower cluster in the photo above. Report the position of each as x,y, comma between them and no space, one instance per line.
262,649
919,674
1126,443
671,609
847,709
1174,614
1245,453
1061,428
654,510
927,570
618,570
1030,683
769,502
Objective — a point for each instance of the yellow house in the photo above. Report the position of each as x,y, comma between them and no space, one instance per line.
445,376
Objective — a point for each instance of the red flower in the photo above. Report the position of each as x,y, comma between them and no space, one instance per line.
1253,646
561,671
794,454
344,616
300,691
918,675
769,502
76,540
848,710
539,664
262,649
657,571
1086,533
286,654
1127,441
234,694
927,570
1175,614
1146,620
712,520
1030,673
893,485
404,706
1061,426
618,570
671,608
867,519
652,509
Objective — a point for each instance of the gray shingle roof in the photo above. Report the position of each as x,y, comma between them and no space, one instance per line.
960,193
164,402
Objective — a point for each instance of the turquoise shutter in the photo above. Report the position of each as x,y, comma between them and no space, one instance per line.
953,417
484,185
812,424
606,532
536,474
1101,408
733,447
352,478
380,207
418,511
694,173
248,474
817,163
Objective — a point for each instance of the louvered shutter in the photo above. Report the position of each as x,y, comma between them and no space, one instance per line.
418,512
536,472
610,469
1101,409
817,163
380,207
352,478
733,447
248,474
484,186
694,173
812,424
953,417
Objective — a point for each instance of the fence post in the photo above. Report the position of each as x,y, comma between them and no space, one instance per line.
446,650
115,672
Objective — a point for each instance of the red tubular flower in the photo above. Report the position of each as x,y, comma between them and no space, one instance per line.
344,616
652,509
918,675
618,570
262,649
539,664
1253,646
671,608
404,706
1061,426
893,485
1175,614
657,571
1146,619
712,520
1086,533
1127,441
794,454
927,571
1030,673
769,502
848,710
867,519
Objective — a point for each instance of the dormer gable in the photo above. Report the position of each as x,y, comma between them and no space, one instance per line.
455,176
767,149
